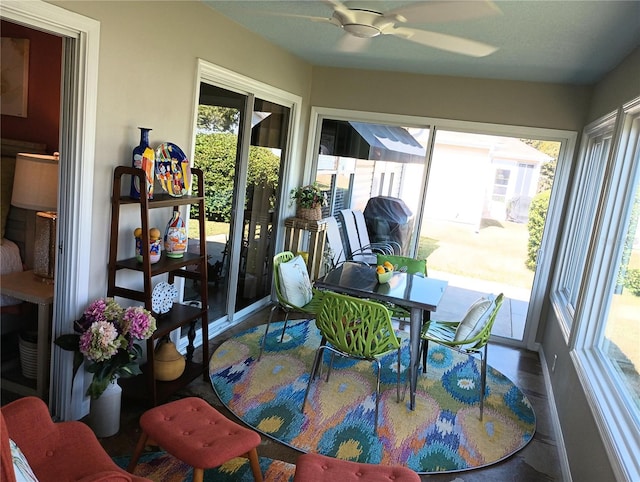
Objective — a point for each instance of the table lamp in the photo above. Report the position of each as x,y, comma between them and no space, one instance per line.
35,187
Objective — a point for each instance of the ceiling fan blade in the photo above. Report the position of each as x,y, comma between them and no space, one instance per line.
331,20
337,5
445,11
442,41
343,13
352,44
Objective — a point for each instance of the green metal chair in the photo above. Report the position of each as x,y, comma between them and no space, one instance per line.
283,303
405,265
469,336
355,328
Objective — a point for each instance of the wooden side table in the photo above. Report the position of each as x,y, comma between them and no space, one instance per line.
26,286
294,228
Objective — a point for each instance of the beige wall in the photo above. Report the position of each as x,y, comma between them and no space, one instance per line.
619,86
147,77
528,104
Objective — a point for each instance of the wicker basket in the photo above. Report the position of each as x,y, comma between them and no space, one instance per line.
310,214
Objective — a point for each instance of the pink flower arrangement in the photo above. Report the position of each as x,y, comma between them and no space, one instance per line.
105,336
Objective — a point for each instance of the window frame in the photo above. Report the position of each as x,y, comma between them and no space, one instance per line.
577,231
618,420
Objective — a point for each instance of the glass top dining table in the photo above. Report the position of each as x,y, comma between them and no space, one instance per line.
416,293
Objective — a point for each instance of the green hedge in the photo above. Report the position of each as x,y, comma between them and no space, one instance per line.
215,154
537,215
632,281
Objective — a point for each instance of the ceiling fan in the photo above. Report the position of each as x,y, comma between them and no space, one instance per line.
363,23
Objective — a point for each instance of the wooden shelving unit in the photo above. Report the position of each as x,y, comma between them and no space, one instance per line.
179,315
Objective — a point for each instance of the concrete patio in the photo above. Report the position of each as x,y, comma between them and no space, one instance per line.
462,291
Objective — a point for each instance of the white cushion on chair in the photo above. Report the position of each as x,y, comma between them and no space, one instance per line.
21,467
294,282
474,320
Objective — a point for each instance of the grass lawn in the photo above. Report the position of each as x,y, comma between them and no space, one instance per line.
211,228
623,330
496,252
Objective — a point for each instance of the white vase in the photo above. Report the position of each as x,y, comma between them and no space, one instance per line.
104,415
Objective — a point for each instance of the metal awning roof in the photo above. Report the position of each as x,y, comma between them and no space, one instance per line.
390,143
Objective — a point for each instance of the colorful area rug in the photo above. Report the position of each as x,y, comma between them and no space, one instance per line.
443,434
162,467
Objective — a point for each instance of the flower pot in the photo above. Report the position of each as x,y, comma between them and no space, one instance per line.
155,250
104,415
310,214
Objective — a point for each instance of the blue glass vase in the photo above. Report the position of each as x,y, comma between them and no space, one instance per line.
143,158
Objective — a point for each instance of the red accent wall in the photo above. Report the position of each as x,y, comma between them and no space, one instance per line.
42,123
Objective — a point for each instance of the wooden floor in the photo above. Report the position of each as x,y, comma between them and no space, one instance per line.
538,461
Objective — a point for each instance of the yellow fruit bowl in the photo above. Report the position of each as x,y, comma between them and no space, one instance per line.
384,277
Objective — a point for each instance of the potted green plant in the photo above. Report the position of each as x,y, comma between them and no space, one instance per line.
309,200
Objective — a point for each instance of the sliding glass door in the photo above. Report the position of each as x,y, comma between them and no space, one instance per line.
483,219
474,205
240,146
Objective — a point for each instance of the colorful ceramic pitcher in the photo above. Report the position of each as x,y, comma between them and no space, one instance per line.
175,237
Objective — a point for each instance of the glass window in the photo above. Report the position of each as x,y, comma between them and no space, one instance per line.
620,342
590,176
606,326
500,185
358,161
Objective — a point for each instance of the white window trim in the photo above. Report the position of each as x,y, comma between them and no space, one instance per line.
619,429
576,234
208,72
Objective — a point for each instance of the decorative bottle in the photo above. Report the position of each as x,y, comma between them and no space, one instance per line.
175,237
143,158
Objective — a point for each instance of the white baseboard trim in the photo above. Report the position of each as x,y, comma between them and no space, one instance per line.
555,419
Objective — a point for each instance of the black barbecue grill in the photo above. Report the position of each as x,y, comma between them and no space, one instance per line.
389,219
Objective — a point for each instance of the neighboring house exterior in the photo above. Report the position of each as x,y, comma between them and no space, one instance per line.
496,177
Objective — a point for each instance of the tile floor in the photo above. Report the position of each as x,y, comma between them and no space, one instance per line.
538,461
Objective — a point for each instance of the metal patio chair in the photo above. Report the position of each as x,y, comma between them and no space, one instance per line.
355,328
310,308
469,336
360,247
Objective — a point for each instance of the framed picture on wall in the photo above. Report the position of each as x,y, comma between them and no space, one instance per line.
14,74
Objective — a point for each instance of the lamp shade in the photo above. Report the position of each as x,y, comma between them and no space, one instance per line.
35,182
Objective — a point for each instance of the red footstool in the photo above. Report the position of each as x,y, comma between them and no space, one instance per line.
319,468
193,431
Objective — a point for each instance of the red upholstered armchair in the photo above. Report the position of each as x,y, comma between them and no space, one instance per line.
55,451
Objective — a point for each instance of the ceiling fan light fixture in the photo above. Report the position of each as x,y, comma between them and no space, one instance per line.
361,30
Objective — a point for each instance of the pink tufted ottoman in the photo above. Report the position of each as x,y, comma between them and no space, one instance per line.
193,431
319,468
